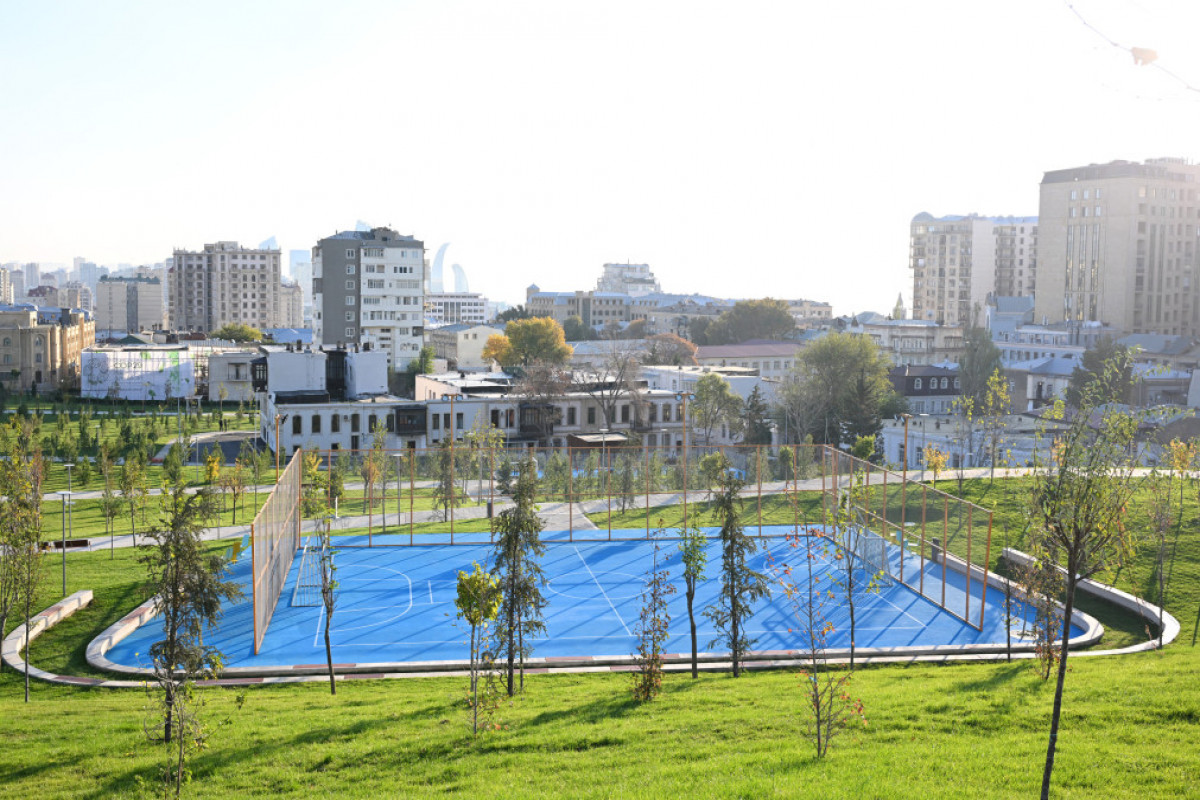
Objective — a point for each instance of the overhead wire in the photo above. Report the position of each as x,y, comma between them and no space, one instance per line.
1141,56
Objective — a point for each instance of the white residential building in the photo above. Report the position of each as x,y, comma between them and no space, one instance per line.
369,289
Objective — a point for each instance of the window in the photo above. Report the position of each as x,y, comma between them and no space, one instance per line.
349,316
349,333
316,423
916,383
350,286
37,358
297,424
349,253
625,413
458,420
349,299
437,421
349,269
7,342
570,415
591,415
354,423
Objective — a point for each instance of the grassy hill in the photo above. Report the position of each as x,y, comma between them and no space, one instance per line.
953,731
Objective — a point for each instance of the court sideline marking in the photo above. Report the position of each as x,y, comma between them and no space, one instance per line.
602,592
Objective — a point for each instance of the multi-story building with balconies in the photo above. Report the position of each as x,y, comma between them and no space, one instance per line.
223,284
369,289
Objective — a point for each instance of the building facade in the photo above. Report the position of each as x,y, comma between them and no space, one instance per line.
462,345
41,349
291,306
454,308
128,305
369,289
634,280
1117,244
223,284
958,261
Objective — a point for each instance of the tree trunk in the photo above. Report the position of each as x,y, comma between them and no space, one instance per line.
26,652
329,655
512,635
474,688
733,625
1062,678
850,595
168,716
691,595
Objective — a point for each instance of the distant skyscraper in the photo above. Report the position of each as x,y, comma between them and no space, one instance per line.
634,280
460,280
1117,244
436,284
957,261
300,268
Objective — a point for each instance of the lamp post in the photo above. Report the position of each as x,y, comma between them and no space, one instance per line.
607,482
450,427
399,467
65,495
924,426
906,417
683,398
278,418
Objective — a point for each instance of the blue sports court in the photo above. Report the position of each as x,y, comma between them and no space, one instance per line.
396,604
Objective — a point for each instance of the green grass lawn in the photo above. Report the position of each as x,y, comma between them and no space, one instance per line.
934,731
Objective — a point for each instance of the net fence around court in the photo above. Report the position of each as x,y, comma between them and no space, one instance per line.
274,539
935,544
308,580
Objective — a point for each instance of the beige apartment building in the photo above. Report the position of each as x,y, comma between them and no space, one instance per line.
1117,244
957,261
41,350
222,284
128,305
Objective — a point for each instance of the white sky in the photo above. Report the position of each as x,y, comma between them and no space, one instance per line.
741,149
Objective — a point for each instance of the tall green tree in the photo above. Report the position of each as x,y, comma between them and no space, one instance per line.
714,403
478,602
188,584
1078,504
979,360
518,548
693,553
575,331
741,586
757,423
1105,373
752,319
21,471
423,363
838,390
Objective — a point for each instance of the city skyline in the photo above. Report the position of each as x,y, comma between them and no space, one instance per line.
541,137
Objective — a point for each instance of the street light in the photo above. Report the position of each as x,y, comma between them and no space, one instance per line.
278,418
607,481
399,466
906,417
450,427
66,496
683,398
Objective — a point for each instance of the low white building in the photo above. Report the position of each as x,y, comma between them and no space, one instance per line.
462,345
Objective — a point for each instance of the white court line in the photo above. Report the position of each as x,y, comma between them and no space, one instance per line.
430,584
321,614
602,592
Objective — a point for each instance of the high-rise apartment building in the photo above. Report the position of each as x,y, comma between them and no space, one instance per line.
6,288
1117,244
634,280
128,305
369,288
223,283
291,306
451,308
957,261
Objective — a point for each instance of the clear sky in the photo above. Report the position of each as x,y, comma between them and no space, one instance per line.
741,149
